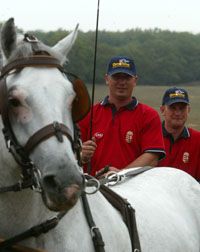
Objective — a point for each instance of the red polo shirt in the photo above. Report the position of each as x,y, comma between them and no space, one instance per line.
184,153
122,135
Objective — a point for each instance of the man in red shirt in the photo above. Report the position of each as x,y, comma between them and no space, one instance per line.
125,133
182,144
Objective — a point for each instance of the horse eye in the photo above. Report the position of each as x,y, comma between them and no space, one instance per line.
14,102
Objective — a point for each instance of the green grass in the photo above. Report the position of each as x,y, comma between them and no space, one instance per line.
152,95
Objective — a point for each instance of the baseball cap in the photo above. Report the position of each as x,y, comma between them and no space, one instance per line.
121,64
174,95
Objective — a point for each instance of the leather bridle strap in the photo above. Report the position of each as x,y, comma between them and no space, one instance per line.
35,231
20,248
35,61
57,129
96,234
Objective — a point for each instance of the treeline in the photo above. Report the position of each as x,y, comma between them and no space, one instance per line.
161,57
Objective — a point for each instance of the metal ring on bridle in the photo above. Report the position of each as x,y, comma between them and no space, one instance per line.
94,183
113,178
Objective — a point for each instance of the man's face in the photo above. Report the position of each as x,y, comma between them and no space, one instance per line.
121,85
175,115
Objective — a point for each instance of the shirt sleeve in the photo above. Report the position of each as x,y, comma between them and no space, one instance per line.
151,134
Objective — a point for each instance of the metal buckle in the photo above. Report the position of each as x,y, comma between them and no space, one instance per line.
30,38
58,131
8,144
113,178
37,177
92,230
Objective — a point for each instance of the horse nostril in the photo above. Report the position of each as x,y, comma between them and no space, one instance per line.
51,182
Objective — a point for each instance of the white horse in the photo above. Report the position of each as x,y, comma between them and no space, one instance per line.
166,200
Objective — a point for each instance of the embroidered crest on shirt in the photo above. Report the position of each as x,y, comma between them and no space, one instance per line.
186,157
129,136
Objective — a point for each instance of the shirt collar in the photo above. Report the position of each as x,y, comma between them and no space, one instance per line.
130,106
185,133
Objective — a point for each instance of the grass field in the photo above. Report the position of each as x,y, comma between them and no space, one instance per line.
152,96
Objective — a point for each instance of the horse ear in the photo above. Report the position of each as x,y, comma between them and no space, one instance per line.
81,104
8,37
64,46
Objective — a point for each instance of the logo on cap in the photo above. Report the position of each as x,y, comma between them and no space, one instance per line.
121,63
177,94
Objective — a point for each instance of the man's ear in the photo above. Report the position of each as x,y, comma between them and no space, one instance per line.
106,78
189,108
162,109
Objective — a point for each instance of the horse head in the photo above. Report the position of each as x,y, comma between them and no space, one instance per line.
39,106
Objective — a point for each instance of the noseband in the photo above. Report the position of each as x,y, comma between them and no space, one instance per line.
30,174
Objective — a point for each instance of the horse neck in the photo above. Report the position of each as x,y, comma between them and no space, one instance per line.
22,210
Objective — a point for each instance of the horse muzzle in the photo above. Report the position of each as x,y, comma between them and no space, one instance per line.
59,195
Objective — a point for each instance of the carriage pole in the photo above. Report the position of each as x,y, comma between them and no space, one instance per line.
89,167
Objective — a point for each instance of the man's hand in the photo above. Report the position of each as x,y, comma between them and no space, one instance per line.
106,171
88,149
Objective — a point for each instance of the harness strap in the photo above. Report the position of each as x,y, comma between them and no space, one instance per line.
96,234
115,177
41,60
57,129
20,248
127,212
17,187
35,231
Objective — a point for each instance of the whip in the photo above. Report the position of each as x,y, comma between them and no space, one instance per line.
93,79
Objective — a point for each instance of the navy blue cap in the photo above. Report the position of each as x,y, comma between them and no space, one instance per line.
174,95
121,64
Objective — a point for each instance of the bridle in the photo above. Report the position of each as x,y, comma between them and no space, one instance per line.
31,177
30,173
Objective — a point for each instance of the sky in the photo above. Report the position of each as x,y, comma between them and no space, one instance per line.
114,15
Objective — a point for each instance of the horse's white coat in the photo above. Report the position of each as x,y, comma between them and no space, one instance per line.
167,209
166,200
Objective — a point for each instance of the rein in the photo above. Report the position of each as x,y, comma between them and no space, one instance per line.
113,177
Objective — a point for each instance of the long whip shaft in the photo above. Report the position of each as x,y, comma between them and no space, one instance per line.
89,168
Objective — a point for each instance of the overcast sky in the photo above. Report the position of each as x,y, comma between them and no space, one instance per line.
114,15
